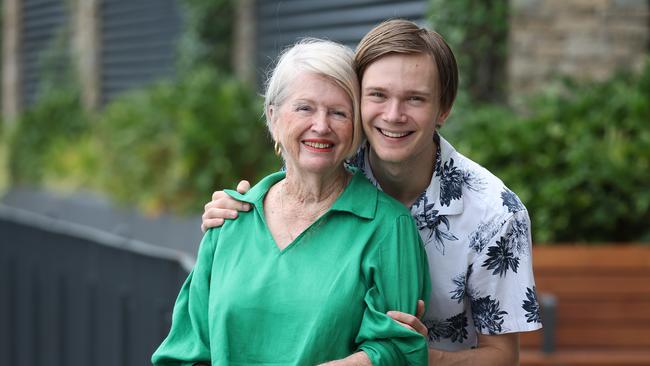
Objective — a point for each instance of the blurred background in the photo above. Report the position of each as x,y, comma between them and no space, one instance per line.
121,117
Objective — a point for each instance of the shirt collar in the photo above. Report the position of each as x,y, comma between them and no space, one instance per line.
356,199
445,188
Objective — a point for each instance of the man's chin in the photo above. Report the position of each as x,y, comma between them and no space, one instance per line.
390,157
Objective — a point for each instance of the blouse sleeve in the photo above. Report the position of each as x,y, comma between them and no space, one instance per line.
398,271
188,341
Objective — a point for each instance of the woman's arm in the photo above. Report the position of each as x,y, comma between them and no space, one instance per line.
188,341
398,270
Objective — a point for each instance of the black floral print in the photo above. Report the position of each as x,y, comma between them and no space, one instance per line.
518,236
488,316
501,258
460,283
531,306
437,225
451,183
511,201
473,181
480,237
453,328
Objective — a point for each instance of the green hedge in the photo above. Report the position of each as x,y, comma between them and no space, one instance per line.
168,147
580,160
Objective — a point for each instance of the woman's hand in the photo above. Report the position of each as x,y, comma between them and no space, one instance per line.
223,207
409,321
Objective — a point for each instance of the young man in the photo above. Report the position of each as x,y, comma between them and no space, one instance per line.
475,230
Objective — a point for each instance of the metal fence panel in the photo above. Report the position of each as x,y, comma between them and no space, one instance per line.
75,296
138,43
282,22
42,22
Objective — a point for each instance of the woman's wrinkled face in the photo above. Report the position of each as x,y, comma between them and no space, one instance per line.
314,125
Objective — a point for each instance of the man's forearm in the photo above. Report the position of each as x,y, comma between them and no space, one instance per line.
502,350
355,359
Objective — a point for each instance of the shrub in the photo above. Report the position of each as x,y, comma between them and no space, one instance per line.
54,123
477,31
580,161
169,146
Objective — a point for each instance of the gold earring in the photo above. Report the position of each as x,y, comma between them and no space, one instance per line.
277,148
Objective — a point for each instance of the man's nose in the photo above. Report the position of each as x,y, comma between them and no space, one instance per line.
393,112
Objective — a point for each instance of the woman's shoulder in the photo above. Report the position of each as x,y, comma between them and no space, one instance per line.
389,206
385,206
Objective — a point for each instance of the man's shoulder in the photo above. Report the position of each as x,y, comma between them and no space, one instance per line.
483,190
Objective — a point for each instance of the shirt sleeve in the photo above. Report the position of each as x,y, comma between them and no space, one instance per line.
398,272
501,283
188,340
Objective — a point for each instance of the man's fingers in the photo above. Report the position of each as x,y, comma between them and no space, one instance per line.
407,326
226,202
243,186
216,195
210,223
219,213
420,309
410,320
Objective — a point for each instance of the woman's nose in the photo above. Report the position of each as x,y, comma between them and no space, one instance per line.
320,123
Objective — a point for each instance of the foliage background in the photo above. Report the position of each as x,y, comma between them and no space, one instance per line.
163,148
578,157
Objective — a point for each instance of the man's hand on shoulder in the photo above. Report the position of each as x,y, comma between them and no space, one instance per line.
223,207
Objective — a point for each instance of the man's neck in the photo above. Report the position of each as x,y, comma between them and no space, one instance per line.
406,180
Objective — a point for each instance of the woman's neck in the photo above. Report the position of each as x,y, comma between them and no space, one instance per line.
311,189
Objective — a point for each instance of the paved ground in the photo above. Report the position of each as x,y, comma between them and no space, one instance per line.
85,208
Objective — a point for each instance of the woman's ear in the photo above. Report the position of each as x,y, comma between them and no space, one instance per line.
270,116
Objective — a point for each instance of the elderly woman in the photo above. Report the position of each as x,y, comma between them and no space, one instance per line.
307,275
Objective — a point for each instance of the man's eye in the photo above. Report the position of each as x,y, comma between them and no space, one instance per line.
416,99
376,94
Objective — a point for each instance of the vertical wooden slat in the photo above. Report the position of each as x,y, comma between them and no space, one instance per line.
11,91
87,48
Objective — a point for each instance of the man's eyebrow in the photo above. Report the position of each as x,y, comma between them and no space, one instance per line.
426,93
374,88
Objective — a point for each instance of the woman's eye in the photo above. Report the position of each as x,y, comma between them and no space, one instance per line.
303,108
340,114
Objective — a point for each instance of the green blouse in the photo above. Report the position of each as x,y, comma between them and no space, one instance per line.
322,298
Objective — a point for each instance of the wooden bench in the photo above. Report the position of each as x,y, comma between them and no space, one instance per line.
602,312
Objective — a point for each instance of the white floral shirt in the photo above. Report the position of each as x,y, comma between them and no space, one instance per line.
476,233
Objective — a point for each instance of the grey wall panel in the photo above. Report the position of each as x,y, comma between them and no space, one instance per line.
282,22
41,21
71,295
139,42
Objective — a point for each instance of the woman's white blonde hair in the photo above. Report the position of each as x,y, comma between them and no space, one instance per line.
321,57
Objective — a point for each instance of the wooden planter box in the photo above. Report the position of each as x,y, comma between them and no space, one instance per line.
602,311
